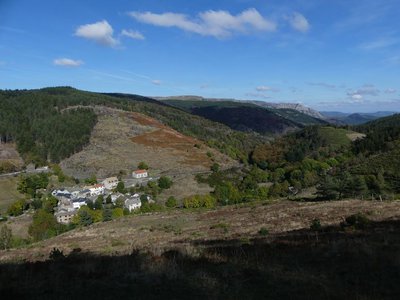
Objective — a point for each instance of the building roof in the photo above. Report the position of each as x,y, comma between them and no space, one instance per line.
110,179
131,201
140,171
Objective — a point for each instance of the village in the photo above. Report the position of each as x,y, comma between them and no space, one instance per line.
71,200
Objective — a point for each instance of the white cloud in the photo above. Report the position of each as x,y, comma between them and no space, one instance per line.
67,62
381,43
156,82
299,22
365,90
258,95
218,24
263,88
133,34
390,91
100,32
356,97
323,84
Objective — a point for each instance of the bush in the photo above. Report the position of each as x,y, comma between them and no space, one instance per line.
56,254
5,237
315,224
164,182
107,215
171,202
215,167
358,221
17,208
36,204
198,201
44,225
263,231
117,213
143,166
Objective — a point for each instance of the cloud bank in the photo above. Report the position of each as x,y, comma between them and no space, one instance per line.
218,24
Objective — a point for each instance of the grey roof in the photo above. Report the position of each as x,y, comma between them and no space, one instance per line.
79,200
131,201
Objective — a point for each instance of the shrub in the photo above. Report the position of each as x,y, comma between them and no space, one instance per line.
17,208
143,166
5,237
315,224
358,221
107,215
263,231
215,167
117,213
56,254
164,182
198,201
171,202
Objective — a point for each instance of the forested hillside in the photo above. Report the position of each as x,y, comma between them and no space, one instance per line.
37,122
39,127
245,116
326,157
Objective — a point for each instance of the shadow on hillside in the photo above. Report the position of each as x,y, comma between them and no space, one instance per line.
329,264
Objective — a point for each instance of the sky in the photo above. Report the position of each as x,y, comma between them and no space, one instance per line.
331,55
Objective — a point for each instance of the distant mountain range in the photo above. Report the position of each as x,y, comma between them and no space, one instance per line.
298,113
341,118
257,116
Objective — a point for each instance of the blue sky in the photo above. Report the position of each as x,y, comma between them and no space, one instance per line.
330,55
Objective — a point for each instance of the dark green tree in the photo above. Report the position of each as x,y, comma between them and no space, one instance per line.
164,182
107,215
143,166
121,187
98,204
85,219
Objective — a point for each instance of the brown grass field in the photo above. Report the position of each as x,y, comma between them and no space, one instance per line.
218,254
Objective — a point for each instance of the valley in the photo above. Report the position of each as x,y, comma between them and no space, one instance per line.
225,182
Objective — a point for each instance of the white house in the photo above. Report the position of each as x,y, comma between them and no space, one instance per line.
110,183
61,193
133,203
77,203
139,174
96,190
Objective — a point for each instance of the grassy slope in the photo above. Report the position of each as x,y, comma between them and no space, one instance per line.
8,192
234,261
336,137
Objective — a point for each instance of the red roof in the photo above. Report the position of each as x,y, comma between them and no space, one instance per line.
140,171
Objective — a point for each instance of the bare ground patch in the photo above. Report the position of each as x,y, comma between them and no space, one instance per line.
120,140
